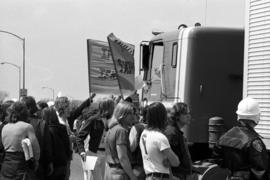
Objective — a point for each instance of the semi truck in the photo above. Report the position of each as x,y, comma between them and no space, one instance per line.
201,66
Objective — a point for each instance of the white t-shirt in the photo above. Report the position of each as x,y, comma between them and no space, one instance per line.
152,143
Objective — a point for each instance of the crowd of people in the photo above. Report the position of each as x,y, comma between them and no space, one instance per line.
139,142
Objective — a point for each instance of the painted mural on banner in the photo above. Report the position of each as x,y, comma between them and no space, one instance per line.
123,57
102,74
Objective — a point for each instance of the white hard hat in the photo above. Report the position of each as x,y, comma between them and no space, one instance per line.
249,109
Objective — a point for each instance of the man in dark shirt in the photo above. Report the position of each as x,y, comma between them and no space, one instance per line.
179,117
60,120
94,126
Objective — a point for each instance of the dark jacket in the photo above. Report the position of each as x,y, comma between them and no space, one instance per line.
62,152
2,149
44,139
241,149
94,127
77,112
178,145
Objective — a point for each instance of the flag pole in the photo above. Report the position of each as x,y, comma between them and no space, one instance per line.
117,75
89,52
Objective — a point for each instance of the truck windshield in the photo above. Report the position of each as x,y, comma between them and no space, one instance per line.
156,70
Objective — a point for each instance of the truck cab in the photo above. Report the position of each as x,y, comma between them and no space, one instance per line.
201,66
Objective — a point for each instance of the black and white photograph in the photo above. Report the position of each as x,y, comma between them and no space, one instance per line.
135,90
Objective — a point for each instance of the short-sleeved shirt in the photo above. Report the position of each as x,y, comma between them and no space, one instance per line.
152,143
116,135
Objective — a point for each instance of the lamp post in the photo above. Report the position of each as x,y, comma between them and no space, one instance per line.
19,68
44,87
23,40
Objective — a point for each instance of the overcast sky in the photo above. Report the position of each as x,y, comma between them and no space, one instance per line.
56,33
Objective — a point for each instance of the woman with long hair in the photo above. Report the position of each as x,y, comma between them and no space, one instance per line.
155,148
118,154
15,166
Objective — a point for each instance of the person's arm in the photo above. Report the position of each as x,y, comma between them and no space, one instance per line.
186,162
171,156
217,154
259,160
179,147
124,160
122,144
77,112
31,135
133,143
81,136
165,148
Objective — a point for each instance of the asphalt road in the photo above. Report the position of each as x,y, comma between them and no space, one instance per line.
76,168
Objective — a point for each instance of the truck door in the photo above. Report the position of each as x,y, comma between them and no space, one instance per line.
161,70
154,77
169,70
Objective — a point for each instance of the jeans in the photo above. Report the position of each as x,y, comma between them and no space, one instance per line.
14,167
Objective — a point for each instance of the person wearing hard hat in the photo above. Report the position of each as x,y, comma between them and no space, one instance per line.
241,149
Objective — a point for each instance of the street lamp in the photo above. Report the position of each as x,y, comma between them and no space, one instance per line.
23,40
19,68
44,87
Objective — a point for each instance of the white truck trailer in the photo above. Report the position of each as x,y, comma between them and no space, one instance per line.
257,61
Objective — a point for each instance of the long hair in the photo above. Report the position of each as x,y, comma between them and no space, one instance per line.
17,112
42,104
30,103
122,110
177,110
143,112
106,107
156,116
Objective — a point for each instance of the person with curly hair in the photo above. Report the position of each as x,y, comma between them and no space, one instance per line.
15,166
179,117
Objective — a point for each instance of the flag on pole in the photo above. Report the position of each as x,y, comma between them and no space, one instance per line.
123,58
101,70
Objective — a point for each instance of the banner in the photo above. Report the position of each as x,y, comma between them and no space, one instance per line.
123,57
101,70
